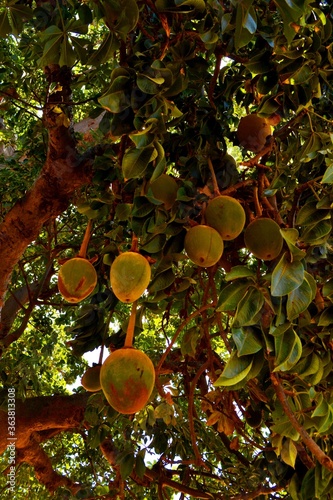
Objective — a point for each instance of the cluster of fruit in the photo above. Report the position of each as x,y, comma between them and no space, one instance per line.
127,376
225,220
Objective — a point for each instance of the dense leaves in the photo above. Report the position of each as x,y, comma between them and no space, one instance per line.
98,100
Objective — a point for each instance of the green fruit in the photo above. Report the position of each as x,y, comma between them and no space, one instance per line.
226,215
129,275
203,245
263,239
90,379
252,132
165,189
77,279
127,379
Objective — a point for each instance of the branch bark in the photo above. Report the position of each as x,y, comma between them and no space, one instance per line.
36,420
63,173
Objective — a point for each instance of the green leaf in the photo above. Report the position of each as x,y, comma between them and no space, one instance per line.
246,24
317,233
247,340
289,452
328,175
235,371
239,272
248,308
309,214
126,465
231,295
105,50
290,236
323,478
5,27
299,300
123,211
286,276
67,54
326,317
190,341
288,350
135,161
162,281
154,244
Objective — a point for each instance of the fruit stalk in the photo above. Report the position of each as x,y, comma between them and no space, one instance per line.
131,326
85,242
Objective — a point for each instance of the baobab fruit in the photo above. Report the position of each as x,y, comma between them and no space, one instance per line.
90,379
77,279
129,275
226,215
263,238
127,379
164,189
253,131
203,245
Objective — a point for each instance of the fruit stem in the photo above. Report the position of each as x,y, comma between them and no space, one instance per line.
84,245
100,361
134,246
131,326
212,173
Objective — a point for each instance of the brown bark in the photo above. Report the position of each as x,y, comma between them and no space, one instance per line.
36,420
63,173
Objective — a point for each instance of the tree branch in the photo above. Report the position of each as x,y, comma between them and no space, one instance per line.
63,173
322,458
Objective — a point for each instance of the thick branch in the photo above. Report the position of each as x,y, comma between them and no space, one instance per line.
36,420
64,171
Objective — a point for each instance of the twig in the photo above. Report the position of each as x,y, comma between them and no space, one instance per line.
198,457
322,458
178,331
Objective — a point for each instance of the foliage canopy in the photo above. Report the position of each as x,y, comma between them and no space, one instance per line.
99,99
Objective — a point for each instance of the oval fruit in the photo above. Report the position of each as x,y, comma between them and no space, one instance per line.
263,238
203,245
127,379
226,215
164,189
252,132
129,275
77,279
90,379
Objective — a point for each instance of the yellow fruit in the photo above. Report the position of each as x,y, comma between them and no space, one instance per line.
203,245
253,131
90,379
226,215
263,238
130,275
77,279
164,189
127,379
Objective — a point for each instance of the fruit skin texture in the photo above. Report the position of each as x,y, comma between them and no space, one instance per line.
129,275
77,279
164,189
226,215
203,245
127,379
90,379
252,132
263,238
